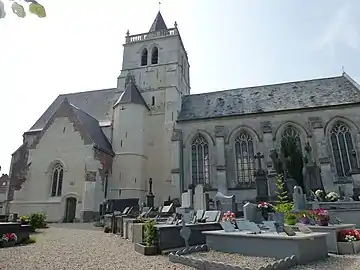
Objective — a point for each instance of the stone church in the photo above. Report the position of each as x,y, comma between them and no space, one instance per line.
89,146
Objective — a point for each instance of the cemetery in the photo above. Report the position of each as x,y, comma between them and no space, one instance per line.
284,223
287,224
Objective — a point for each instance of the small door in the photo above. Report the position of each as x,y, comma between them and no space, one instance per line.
70,210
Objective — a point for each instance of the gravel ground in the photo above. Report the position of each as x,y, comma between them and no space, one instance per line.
75,246
334,262
235,259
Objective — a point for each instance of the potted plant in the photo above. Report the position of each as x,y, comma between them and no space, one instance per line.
304,217
332,196
320,195
290,218
24,220
265,208
228,221
8,240
322,217
150,246
348,241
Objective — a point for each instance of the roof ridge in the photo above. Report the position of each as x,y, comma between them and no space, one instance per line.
86,91
267,85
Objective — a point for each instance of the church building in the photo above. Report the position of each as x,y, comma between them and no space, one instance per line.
107,144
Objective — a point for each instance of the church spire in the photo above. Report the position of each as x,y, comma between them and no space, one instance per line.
158,24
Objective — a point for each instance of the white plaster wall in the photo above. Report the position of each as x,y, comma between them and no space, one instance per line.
319,143
59,143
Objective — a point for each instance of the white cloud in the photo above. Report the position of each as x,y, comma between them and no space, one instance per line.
343,30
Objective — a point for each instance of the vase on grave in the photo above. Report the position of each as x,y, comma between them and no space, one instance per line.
323,222
305,220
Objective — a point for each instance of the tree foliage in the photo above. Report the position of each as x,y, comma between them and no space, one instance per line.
19,8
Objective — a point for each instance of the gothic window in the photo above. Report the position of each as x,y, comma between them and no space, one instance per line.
57,180
200,162
342,149
245,161
144,57
291,132
154,55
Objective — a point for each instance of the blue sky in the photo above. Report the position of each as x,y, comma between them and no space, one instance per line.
230,43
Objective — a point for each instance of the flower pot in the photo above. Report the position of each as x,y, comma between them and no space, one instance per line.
348,247
323,222
143,249
291,221
304,220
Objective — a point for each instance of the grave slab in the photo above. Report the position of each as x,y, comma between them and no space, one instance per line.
332,231
305,247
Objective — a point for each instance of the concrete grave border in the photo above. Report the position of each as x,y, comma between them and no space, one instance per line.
181,256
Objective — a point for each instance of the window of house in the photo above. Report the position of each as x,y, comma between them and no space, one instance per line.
57,180
144,57
154,55
343,149
152,101
245,161
200,161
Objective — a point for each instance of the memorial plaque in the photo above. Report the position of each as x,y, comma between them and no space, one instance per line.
270,225
243,225
227,226
254,229
289,231
304,229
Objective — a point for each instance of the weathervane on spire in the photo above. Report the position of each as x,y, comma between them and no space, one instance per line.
159,6
343,69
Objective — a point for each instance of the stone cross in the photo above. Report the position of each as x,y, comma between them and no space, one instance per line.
259,157
185,233
150,186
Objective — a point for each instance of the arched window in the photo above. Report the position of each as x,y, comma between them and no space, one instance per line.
57,180
245,161
291,133
200,162
343,149
154,55
144,57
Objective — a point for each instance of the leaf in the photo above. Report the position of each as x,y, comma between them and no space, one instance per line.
18,10
2,10
37,9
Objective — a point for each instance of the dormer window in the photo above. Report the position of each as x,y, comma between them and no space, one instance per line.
144,57
154,55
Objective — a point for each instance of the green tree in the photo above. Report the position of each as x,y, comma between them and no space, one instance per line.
18,7
281,193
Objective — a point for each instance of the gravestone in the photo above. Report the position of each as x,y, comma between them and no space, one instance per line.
260,180
304,229
227,226
188,217
243,225
167,209
225,203
270,225
185,200
185,233
200,198
200,214
289,231
254,229
311,172
299,199
150,196
290,183
251,213
212,216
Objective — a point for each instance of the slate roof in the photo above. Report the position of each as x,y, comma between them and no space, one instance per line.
278,97
131,93
158,24
93,129
97,103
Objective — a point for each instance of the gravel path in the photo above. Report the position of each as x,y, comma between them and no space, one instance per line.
333,262
234,259
77,247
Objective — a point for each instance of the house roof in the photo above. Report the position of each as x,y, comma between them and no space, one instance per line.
278,97
158,24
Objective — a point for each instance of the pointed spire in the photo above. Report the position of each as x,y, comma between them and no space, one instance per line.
158,24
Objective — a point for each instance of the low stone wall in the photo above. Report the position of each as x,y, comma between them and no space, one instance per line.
182,257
